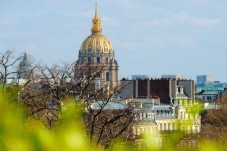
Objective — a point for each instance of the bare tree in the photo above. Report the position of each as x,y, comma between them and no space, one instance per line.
45,95
52,84
7,63
105,122
222,102
105,125
47,87
10,68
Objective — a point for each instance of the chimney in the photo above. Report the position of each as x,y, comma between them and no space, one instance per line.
181,90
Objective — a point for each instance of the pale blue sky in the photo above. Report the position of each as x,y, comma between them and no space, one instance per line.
151,37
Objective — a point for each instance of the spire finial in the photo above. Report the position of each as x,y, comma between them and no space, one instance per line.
25,57
96,21
96,8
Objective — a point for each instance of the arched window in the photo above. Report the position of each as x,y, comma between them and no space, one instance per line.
82,60
99,75
89,50
89,59
98,60
107,76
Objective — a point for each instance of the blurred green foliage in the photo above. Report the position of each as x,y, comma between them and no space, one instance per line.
18,132
21,133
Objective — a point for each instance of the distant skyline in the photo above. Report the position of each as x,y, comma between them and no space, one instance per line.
149,37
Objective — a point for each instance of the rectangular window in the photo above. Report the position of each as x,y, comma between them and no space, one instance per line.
209,98
149,130
141,130
107,76
160,126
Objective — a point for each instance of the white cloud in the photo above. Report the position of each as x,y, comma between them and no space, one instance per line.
8,21
128,4
225,13
109,21
185,42
183,19
172,42
128,45
19,34
200,3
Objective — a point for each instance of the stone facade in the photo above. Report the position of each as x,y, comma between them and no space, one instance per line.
152,118
97,51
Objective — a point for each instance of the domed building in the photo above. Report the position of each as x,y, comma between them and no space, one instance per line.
97,50
24,68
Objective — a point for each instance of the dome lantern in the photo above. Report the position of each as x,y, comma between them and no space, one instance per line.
96,22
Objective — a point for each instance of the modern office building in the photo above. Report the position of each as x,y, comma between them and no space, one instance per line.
168,90
173,76
204,78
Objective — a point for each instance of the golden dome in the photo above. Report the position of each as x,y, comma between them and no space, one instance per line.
96,42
